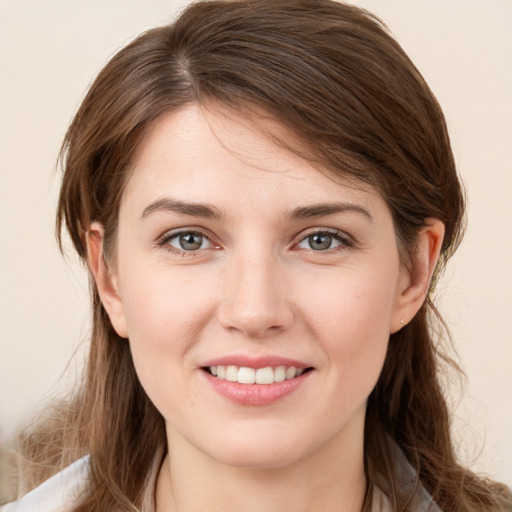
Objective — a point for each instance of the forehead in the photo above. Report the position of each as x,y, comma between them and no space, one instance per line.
200,154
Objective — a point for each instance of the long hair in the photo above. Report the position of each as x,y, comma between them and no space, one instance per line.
357,106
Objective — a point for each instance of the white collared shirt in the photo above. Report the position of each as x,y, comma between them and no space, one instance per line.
64,491
60,493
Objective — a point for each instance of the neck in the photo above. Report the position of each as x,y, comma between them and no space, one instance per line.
331,479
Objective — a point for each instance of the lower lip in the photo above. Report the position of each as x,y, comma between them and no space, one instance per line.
256,394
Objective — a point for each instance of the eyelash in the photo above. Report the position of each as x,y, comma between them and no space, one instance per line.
345,241
165,239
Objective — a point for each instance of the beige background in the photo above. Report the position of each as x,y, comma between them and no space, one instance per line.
50,50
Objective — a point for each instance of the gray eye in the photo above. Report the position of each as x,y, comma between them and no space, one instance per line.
320,241
189,241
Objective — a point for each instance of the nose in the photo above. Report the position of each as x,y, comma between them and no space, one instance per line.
256,300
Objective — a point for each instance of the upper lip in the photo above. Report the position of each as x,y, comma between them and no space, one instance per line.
255,361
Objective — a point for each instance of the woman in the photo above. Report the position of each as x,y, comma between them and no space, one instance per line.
265,195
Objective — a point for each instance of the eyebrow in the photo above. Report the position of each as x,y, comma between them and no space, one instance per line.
210,211
185,208
322,210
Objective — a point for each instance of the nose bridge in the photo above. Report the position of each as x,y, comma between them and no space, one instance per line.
255,301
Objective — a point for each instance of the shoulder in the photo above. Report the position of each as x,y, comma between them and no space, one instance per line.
407,484
61,493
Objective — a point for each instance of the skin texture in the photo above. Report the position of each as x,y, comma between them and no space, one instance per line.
255,286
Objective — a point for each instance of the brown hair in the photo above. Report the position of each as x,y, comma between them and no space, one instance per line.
338,80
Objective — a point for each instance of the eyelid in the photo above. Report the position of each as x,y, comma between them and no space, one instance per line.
346,240
163,240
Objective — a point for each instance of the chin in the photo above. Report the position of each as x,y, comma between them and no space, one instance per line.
258,459
264,450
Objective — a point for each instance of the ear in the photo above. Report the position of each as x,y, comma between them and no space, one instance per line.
106,281
415,281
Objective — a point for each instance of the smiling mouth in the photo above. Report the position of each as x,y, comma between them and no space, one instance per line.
246,375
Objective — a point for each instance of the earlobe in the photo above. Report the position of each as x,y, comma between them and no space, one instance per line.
415,281
106,281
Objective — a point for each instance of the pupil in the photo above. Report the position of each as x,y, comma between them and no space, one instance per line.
191,241
320,241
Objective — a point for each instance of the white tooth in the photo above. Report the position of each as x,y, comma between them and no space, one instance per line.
213,370
280,374
246,375
265,375
300,371
291,372
231,373
221,371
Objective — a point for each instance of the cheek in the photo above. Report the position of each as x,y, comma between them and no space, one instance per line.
352,320
161,306
165,314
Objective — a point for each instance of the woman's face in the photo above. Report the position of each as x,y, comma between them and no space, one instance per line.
237,257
